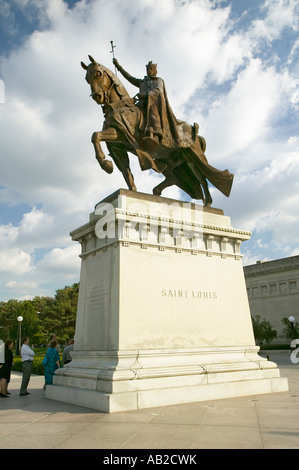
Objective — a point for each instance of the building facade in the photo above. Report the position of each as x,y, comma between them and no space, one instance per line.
273,291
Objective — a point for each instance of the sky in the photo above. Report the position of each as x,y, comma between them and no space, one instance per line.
232,66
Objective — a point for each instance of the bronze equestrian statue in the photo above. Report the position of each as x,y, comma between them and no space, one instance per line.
146,127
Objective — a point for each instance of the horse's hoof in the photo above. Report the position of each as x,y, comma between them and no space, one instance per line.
156,192
208,203
107,166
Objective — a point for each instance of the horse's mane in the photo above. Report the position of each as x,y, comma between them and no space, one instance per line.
119,86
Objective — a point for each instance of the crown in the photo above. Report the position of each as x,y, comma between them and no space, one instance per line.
151,64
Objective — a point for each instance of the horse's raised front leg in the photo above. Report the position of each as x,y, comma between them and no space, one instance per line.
97,138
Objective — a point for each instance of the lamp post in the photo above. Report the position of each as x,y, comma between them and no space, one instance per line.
20,319
292,322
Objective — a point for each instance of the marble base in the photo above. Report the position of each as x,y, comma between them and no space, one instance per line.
174,377
163,314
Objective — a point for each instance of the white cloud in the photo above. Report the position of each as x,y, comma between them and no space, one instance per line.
280,14
266,203
34,230
21,285
35,221
11,284
15,261
253,104
8,234
66,260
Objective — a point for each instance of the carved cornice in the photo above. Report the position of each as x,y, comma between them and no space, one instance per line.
268,267
181,228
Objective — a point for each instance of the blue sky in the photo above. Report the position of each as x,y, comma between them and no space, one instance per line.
230,65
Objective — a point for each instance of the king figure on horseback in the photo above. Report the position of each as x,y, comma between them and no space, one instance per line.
148,128
159,125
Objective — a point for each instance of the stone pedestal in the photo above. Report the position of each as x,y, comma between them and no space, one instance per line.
163,315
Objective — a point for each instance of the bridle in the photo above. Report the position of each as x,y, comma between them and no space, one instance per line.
105,91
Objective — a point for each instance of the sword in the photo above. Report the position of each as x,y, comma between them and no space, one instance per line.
112,52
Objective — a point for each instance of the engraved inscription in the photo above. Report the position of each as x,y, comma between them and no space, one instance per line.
98,299
191,294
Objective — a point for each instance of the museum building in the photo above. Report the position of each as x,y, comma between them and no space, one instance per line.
273,291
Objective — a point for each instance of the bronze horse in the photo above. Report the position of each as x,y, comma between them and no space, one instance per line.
185,166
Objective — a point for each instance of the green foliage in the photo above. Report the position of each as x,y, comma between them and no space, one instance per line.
290,330
276,346
30,324
9,312
17,364
42,317
37,367
263,330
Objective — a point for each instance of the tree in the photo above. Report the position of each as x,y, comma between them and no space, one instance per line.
263,330
66,304
9,311
290,330
30,326
42,316
43,307
58,315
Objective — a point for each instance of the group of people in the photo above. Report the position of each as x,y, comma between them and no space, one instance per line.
51,363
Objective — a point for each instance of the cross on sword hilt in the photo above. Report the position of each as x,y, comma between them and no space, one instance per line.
112,52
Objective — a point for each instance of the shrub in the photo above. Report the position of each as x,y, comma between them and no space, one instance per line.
263,330
37,368
17,364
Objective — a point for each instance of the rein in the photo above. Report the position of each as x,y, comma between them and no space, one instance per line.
107,106
106,91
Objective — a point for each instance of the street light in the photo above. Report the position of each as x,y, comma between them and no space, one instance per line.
293,331
20,319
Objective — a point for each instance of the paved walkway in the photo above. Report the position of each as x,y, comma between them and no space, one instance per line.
255,422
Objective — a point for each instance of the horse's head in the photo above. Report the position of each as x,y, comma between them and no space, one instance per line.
98,79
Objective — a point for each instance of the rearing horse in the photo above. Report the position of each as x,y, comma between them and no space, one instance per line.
185,166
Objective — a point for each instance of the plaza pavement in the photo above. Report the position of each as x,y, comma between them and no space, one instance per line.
268,421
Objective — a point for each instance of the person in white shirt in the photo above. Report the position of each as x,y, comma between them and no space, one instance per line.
27,355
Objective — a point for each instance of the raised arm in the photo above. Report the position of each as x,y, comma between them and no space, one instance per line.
133,80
